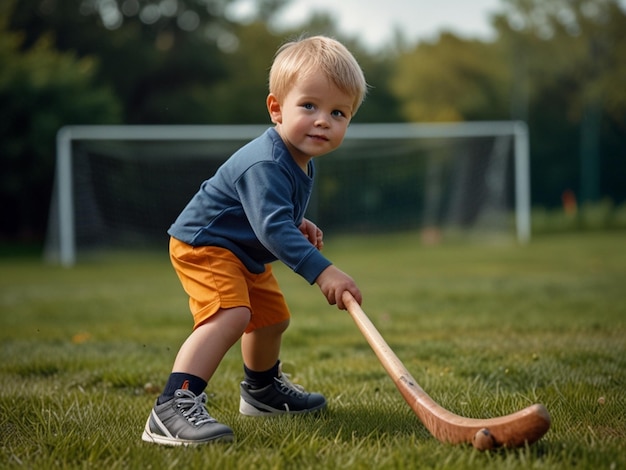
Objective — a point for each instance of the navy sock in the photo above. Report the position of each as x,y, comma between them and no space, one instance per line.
261,379
178,380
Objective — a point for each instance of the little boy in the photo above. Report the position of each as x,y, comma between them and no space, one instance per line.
249,214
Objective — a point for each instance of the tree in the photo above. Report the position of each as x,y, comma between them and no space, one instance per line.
94,62
451,79
575,99
40,91
239,98
157,55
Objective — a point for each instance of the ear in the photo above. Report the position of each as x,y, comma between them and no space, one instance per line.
274,109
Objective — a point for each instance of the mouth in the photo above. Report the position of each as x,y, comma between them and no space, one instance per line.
321,138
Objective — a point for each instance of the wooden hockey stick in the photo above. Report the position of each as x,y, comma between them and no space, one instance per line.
514,430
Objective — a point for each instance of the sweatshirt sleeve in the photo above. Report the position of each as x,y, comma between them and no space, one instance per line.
266,191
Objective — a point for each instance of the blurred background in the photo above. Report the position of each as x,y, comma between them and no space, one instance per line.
558,65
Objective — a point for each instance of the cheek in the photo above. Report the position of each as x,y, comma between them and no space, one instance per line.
299,122
340,130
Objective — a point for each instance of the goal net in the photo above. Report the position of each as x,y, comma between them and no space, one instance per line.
121,187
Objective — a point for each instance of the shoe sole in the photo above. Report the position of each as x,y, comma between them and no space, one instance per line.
152,438
259,409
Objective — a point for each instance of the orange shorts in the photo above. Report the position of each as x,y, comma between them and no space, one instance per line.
214,278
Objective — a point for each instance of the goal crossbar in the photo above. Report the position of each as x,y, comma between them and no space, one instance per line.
68,134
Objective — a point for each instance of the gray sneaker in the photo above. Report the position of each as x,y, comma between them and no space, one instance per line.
184,420
280,397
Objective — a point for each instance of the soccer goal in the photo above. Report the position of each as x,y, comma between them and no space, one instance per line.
120,187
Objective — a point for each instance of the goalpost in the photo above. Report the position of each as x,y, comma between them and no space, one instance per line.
116,181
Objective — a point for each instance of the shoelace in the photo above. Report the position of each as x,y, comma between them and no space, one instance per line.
288,387
194,408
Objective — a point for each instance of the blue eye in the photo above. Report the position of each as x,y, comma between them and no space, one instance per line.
307,106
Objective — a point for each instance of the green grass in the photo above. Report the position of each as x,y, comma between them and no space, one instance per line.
485,330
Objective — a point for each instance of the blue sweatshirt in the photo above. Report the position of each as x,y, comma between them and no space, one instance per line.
253,206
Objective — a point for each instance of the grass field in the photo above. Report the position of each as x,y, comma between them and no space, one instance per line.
485,330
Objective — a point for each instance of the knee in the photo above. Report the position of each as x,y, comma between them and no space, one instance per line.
275,329
241,318
281,327
234,321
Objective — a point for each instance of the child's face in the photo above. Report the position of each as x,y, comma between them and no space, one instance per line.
312,118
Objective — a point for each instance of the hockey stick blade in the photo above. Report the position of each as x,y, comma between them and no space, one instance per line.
514,430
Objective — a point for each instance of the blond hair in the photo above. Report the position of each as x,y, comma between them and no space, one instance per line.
302,57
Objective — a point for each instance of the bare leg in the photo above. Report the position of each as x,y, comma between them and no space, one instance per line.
261,348
204,349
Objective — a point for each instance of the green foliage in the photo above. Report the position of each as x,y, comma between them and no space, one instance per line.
591,70
485,330
381,103
151,54
240,97
568,85
41,90
452,80
557,65
603,215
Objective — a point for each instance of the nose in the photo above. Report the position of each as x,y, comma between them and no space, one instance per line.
321,120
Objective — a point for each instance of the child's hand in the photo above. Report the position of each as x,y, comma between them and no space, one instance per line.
312,233
333,282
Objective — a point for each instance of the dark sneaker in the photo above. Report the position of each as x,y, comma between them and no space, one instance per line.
280,397
184,420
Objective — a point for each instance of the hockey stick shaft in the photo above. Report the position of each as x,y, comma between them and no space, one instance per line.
523,427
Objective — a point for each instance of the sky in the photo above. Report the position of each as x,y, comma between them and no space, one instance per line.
373,21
